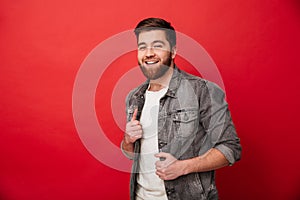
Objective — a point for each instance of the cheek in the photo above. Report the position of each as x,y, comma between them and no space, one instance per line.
139,56
165,55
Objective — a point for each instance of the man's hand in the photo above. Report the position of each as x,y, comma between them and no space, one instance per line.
168,167
133,130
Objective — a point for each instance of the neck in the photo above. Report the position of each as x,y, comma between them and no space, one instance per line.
162,82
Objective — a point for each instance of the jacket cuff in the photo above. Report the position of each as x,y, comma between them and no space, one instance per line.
227,152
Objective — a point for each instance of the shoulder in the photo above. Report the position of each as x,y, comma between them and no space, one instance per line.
201,85
194,80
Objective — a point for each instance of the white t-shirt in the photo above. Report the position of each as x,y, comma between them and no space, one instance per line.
149,185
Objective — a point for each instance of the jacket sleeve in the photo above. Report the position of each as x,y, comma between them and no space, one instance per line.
216,120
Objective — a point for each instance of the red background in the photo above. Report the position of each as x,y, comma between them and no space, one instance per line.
255,45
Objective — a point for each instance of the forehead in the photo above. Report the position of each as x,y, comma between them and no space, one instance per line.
154,35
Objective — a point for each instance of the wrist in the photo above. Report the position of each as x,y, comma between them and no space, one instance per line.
127,145
184,166
127,152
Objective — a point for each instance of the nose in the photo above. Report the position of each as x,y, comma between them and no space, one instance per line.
149,52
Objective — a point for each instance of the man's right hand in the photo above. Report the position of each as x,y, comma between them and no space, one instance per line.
134,129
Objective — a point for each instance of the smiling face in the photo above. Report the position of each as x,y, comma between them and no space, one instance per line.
155,55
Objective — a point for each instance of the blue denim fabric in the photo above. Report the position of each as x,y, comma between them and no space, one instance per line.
193,118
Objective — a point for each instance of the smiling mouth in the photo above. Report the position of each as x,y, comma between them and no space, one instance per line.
151,62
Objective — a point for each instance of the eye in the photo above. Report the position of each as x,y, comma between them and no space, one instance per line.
141,48
158,46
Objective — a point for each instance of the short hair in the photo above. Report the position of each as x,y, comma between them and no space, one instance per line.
157,24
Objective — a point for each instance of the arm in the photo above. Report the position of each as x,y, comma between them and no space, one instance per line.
211,160
171,168
221,146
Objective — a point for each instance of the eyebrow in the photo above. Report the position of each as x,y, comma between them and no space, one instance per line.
158,41
155,41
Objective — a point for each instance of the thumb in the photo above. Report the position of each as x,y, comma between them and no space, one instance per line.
134,115
161,155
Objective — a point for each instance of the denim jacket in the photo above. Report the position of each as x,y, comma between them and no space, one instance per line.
193,118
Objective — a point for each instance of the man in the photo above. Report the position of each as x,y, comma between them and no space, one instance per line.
179,129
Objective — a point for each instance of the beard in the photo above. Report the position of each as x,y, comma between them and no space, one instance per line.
154,73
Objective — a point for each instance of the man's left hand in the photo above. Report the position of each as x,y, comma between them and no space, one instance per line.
168,167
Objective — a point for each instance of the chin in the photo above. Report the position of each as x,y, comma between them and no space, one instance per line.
156,73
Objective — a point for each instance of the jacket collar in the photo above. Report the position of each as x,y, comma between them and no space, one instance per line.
174,82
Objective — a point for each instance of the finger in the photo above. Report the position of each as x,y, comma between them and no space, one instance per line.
158,173
162,155
161,175
158,165
134,115
134,129
137,133
134,123
133,136
138,136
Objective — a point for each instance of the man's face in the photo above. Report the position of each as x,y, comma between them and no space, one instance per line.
154,53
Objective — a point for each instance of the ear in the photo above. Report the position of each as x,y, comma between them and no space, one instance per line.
173,51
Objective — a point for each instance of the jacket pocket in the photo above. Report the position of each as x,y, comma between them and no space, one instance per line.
186,122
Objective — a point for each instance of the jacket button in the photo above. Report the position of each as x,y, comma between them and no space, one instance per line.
175,117
186,117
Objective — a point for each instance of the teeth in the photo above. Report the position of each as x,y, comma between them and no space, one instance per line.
151,62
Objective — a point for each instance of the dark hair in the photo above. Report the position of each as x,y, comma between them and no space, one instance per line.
157,24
